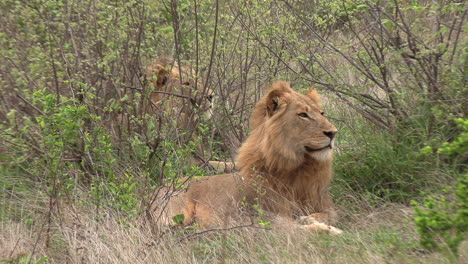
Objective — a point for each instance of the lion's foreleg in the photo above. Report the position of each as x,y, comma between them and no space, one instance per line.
325,210
320,222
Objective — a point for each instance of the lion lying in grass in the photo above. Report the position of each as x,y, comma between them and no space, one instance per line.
285,169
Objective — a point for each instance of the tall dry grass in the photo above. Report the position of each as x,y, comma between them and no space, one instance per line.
79,235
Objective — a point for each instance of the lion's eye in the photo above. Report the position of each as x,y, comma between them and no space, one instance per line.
322,113
305,115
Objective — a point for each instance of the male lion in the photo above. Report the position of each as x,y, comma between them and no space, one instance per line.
285,169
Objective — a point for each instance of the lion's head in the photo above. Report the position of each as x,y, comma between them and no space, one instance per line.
178,85
290,129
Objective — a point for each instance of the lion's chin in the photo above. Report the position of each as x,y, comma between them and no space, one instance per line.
322,154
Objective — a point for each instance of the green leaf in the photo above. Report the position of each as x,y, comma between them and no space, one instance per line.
302,58
362,6
178,219
42,260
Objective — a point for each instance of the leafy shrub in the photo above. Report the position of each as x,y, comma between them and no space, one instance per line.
27,259
459,146
442,222
382,165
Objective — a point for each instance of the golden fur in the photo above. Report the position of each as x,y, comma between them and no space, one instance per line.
285,169
178,86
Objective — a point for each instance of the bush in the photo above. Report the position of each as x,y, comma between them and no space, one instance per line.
382,165
442,221
459,146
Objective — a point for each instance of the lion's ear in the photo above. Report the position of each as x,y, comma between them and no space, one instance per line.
158,75
277,96
314,96
163,76
273,100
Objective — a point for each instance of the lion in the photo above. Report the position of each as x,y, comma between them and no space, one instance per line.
179,86
180,94
175,91
285,167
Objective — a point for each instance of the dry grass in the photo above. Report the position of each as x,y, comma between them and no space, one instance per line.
386,235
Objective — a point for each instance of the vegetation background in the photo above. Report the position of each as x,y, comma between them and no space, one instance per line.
75,181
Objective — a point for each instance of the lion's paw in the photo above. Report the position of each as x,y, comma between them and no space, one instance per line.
334,231
321,227
311,224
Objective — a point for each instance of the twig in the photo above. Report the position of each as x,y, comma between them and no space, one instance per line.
213,46
38,238
13,250
251,225
197,43
30,104
457,37
173,94
161,92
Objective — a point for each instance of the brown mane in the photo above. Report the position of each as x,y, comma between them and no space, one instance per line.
305,181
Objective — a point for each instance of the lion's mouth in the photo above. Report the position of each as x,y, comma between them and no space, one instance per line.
309,149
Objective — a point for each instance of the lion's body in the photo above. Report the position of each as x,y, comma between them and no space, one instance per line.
285,169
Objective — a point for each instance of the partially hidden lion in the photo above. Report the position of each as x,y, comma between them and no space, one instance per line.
175,91
179,93
178,86
285,167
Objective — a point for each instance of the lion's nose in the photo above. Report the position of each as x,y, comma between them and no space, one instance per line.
330,134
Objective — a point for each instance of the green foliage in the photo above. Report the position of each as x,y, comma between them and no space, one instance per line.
26,259
54,134
331,15
381,165
459,146
260,219
178,219
65,144
442,221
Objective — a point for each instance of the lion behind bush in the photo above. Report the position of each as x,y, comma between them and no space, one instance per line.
179,86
